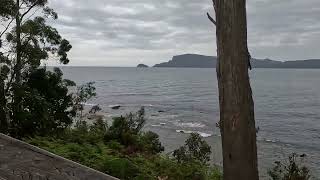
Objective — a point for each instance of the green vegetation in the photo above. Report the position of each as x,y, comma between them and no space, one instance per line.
82,95
290,170
36,105
124,151
195,149
33,101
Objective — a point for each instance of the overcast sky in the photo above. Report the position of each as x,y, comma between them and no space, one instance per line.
128,32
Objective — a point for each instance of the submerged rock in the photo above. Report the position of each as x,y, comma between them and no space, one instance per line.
115,107
95,109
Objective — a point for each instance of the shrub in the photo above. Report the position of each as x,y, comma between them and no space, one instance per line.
128,153
127,131
121,131
84,133
99,127
195,149
291,170
166,167
84,93
121,168
47,104
150,142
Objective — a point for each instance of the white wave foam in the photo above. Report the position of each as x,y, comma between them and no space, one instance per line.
89,104
158,125
270,140
190,125
202,134
155,125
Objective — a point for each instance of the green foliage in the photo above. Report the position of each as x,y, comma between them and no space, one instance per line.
127,131
195,149
174,170
84,93
121,167
76,144
33,101
99,127
150,142
6,9
47,103
119,131
83,133
136,121
291,170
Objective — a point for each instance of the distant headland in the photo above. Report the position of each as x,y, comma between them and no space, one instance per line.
201,61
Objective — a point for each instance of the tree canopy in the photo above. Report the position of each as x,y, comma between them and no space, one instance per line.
33,100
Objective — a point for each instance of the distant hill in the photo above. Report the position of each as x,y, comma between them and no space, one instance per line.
142,66
200,61
190,60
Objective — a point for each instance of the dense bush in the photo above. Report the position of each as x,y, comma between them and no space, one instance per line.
82,133
150,142
84,93
47,104
291,170
127,131
86,144
195,149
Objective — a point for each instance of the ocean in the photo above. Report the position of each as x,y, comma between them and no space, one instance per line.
179,101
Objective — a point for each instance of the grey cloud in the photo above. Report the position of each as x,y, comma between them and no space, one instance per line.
127,31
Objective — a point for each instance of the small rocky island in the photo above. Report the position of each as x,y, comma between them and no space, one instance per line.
142,66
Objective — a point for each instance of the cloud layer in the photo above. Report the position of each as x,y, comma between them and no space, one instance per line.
128,32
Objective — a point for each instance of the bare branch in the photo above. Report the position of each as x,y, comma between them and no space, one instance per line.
31,15
211,19
6,28
32,6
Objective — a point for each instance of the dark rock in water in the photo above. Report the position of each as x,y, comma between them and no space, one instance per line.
142,66
160,111
115,107
303,155
95,109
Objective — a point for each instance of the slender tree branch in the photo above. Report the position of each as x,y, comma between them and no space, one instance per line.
32,6
31,15
211,19
9,83
6,28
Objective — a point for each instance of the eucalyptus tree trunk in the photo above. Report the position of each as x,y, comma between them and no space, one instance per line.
18,66
237,123
3,115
